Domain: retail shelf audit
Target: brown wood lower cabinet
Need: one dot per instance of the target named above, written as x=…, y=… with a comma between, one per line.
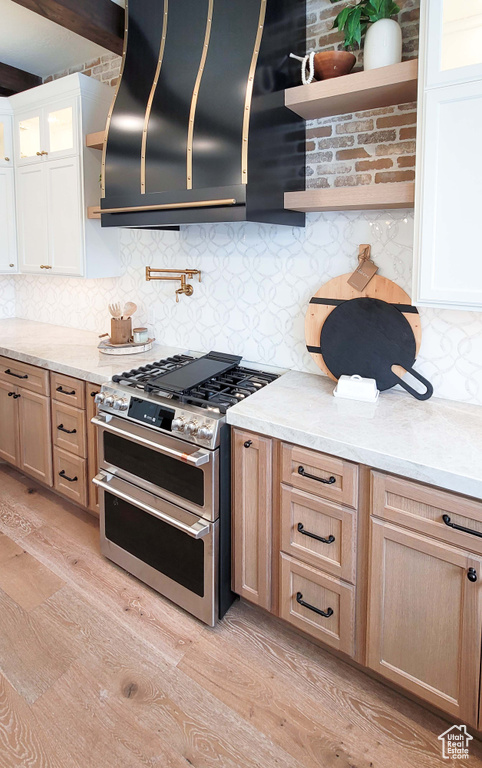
x=424, y=618
x=35, y=454
x=317, y=603
x=8, y=424
x=45, y=429
x=252, y=490
x=25, y=434
x=415, y=581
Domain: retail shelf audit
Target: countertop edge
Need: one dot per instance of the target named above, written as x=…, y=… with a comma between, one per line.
x=54, y=365
x=467, y=486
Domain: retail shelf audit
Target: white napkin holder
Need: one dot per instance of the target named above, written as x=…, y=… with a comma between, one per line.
x=357, y=388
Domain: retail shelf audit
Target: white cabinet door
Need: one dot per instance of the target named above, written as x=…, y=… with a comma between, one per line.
x=8, y=236
x=453, y=40
x=30, y=139
x=448, y=251
x=6, y=143
x=61, y=124
x=64, y=202
x=32, y=219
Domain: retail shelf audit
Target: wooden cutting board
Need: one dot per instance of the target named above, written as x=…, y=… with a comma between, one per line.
x=338, y=290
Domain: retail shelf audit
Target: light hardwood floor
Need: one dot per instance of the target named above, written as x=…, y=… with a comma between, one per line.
x=98, y=671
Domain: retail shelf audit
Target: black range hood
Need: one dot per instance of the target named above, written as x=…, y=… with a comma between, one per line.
x=198, y=131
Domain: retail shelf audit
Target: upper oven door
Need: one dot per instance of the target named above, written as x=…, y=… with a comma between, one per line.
x=171, y=468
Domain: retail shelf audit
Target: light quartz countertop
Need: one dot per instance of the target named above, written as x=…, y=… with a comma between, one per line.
x=435, y=441
x=69, y=351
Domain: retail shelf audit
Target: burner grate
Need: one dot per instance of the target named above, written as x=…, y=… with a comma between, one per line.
x=219, y=392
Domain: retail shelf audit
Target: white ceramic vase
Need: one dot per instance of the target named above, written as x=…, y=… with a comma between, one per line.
x=383, y=44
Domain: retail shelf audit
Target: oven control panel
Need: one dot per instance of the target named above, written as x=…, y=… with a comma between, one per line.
x=188, y=425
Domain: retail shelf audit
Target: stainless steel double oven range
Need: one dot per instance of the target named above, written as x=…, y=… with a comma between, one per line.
x=164, y=480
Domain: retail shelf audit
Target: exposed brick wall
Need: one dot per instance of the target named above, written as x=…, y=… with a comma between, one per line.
x=372, y=147
x=106, y=69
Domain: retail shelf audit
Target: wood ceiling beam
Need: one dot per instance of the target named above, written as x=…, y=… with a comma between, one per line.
x=100, y=21
x=13, y=80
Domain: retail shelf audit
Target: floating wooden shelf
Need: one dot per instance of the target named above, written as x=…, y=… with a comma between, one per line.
x=370, y=197
x=93, y=212
x=383, y=87
x=95, y=140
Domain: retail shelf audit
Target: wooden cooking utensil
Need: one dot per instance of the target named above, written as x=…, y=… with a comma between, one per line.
x=129, y=309
x=115, y=310
x=338, y=290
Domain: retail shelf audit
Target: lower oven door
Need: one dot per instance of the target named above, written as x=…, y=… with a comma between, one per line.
x=168, y=548
x=184, y=474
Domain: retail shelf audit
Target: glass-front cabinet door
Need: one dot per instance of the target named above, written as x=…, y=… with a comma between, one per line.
x=454, y=41
x=60, y=122
x=28, y=130
x=48, y=133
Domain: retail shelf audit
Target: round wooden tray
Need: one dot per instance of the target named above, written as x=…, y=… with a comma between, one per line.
x=338, y=290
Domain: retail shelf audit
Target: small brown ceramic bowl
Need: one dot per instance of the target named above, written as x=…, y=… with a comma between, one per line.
x=333, y=64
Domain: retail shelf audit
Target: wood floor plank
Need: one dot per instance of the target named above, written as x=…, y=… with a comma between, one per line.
x=22, y=740
x=106, y=673
x=120, y=686
x=27, y=581
x=161, y=623
x=8, y=548
x=32, y=658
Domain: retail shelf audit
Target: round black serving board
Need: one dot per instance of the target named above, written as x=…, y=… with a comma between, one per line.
x=368, y=336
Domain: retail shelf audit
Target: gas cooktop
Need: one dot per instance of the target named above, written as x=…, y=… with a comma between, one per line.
x=215, y=381
x=183, y=395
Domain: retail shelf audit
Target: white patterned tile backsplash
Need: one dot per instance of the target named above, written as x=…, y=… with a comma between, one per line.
x=256, y=284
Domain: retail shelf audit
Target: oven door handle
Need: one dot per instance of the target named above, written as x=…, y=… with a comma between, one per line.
x=193, y=531
x=196, y=459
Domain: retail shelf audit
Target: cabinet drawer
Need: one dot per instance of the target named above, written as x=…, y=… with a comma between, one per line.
x=27, y=376
x=318, y=532
x=68, y=390
x=424, y=509
x=317, y=473
x=70, y=476
x=321, y=592
x=68, y=429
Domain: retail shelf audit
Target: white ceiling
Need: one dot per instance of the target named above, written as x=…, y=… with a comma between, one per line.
x=37, y=45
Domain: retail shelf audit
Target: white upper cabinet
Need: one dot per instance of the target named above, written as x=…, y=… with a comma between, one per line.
x=6, y=136
x=57, y=177
x=448, y=199
x=8, y=236
x=454, y=41
x=47, y=133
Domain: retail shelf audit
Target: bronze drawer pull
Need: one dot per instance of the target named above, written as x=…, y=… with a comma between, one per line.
x=67, y=431
x=326, y=614
x=248, y=443
x=472, y=574
x=17, y=375
x=446, y=520
x=329, y=540
x=11, y=393
x=330, y=481
x=66, y=477
x=64, y=392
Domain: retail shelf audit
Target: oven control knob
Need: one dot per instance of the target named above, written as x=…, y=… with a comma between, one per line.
x=191, y=428
x=205, y=433
x=99, y=398
x=109, y=400
x=178, y=425
x=120, y=404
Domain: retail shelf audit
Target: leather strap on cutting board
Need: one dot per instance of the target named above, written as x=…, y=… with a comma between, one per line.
x=337, y=290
